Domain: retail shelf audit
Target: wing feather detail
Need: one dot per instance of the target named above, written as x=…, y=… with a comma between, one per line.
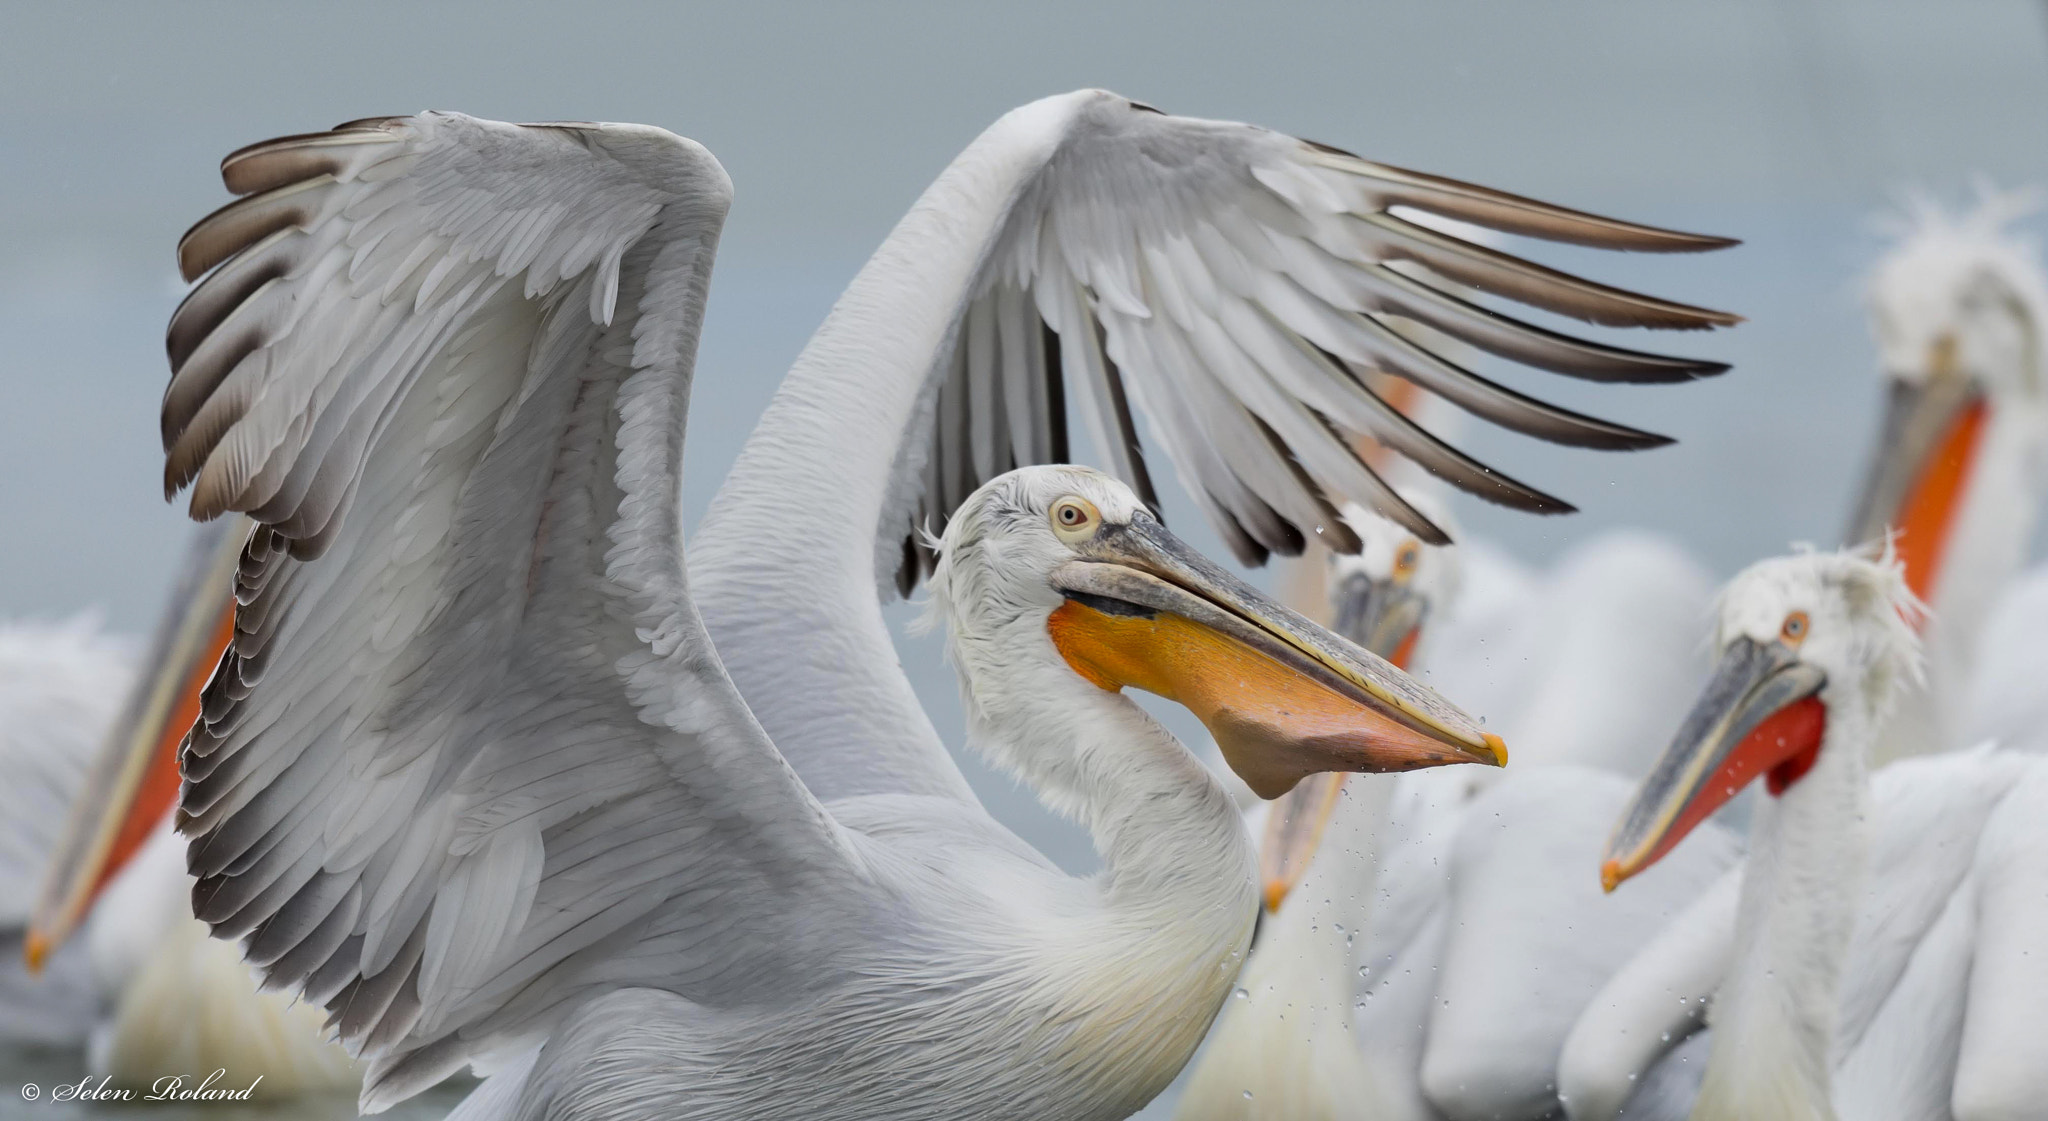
x=470, y=726
x=1242, y=289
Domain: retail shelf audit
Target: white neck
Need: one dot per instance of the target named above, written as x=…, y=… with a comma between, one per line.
x=1987, y=547
x=1774, y=1016
x=1164, y=926
x=790, y=557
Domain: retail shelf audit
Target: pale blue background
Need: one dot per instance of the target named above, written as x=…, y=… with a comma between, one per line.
x=1788, y=124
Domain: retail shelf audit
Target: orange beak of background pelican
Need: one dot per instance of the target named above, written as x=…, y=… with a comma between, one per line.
x=1385, y=617
x=1760, y=715
x=1283, y=697
x=134, y=781
x=1921, y=468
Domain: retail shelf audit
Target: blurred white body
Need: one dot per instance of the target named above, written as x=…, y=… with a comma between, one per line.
x=1480, y=926
x=1875, y=956
x=1965, y=298
x=152, y=993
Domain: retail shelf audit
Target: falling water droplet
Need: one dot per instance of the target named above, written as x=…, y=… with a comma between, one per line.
x=1667, y=1037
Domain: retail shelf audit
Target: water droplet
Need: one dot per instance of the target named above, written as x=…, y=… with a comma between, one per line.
x=1241, y=995
x=1248, y=1093
x=1631, y=1078
x=1365, y=971
x=1667, y=1037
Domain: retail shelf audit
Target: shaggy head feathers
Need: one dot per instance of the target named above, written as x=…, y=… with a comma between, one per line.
x=1439, y=572
x=1969, y=278
x=1860, y=616
x=999, y=548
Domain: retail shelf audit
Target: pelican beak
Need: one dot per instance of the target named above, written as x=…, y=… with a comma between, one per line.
x=1925, y=448
x=134, y=781
x=1385, y=617
x=1760, y=715
x=1283, y=697
x=1294, y=831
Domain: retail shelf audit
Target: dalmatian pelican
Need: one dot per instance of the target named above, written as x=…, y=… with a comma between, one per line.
x=504, y=780
x=1877, y=953
x=1439, y=934
x=1958, y=306
x=146, y=990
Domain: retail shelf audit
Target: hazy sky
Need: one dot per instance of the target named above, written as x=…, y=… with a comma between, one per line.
x=1788, y=124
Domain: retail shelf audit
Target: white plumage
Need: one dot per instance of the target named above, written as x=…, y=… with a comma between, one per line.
x=1872, y=958
x=1959, y=306
x=147, y=992
x=59, y=684
x=472, y=775
x=1477, y=967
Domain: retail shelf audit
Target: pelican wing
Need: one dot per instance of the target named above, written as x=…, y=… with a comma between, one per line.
x=1239, y=286
x=470, y=757
x=1091, y=259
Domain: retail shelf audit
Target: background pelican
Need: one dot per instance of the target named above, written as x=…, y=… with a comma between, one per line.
x=471, y=774
x=1959, y=307
x=148, y=991
x=1588, y=664
x=1917, y=997
x=55, y=680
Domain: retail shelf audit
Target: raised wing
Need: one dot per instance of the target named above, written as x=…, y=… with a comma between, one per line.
x=1245, y=290
x=471, y=758
x=1090, y=257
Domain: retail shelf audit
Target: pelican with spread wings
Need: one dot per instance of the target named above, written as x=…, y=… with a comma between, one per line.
x=499, y=779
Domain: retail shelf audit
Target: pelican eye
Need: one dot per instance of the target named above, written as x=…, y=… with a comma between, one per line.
x=1074, y=519
x=1406, y=558
x=1793, y=630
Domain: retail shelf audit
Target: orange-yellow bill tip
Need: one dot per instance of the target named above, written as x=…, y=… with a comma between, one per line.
x=1611, y=875
x=1498, y=747
x=35, y=950
x=1276, y=890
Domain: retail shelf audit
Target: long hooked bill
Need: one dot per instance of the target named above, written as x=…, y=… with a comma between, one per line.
x=134, y=780
x=1385, y=617
x=1926, y=445
x=1761, y=714
x=1284, y=698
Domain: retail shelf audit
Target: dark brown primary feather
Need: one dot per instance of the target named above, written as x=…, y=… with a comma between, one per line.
x=1513, y=214
x=1492, y=271
x=1325, y=248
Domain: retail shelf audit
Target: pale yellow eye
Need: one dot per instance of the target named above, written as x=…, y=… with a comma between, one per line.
x=1406, y=558
x=1794, y=629
x=1074, y=519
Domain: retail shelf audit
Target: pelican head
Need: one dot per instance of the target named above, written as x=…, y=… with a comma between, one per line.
x=1384, y=593
x=1958, y=307
x=1802, y=640
x=1063, y=569
x=1380, y=597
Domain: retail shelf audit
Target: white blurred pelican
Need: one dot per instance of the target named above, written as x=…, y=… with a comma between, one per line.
x=55, y=685
x=163, y=997
x=472, y=774
x=1959, y=307
x=1478, y=969
x=1876, y=955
